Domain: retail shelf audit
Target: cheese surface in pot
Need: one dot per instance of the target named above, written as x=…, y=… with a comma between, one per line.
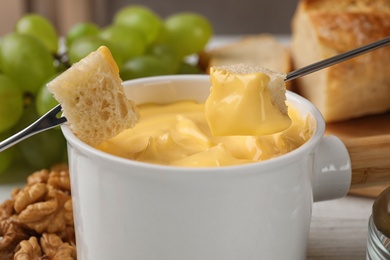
x=178, y=134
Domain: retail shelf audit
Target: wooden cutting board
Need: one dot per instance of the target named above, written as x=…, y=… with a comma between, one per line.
x=368, y=142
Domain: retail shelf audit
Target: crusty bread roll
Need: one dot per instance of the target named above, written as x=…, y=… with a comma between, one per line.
x=353, y=88
x=93, y=99
x=262, y=50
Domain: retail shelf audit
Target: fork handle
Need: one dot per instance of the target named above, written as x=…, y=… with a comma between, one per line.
x=16, y=138
x=336, y=59
x=47, y=121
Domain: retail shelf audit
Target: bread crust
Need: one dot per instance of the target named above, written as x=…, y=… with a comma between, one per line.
x=344, y=5
x=357, y=87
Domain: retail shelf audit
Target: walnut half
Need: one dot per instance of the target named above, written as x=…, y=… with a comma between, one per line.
x=51, y=247
x=29, y=250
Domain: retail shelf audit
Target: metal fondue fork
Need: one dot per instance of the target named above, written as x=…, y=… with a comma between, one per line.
x=336, y=59
x=50, y=119
x=47, y=121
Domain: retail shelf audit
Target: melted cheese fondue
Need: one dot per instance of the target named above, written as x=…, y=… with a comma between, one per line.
x=178, y=134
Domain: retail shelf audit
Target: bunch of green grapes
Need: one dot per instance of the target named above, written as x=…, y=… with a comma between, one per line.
x=142, y=44
x=27, y=63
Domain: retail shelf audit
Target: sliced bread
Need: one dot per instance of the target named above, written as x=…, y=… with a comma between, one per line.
x=93, y=99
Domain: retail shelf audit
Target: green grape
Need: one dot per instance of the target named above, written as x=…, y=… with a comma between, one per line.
x=187, y=68
x=40, y=27
x=26, y=60
x=188, y=33
x=43, y=149
x=85, y=45
x=140, y=18
x=6, y=156
x=80, y=30
x=0, y=55
x=45, y=100
x=129, y=41
x=11, y=103
x=167, y=54
x=143, y=66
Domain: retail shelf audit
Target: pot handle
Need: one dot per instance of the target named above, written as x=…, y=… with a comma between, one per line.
x=332, y=170
x=370, y=159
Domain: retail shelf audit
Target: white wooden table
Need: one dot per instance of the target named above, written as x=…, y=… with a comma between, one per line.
x=339, y=229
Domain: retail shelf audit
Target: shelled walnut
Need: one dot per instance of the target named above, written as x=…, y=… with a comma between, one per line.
x=37, y=223
x=51, y=247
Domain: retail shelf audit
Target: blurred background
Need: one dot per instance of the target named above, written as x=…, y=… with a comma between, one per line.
x=227, y=16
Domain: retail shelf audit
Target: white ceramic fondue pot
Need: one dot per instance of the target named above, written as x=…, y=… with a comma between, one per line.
x=125, y=209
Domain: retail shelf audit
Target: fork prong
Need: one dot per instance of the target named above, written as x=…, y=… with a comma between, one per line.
x=48, y=120
x=55, y=110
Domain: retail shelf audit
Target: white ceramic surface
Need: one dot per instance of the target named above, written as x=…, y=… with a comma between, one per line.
x=130, y=210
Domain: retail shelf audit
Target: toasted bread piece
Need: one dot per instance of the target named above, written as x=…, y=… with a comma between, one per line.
x=93, y=99
x=262, y=50
x=246, y=100
x=353, y=88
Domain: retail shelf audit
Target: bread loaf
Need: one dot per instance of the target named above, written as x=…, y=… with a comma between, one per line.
x=93, y=99
x=324, y=28
x=262, y=50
